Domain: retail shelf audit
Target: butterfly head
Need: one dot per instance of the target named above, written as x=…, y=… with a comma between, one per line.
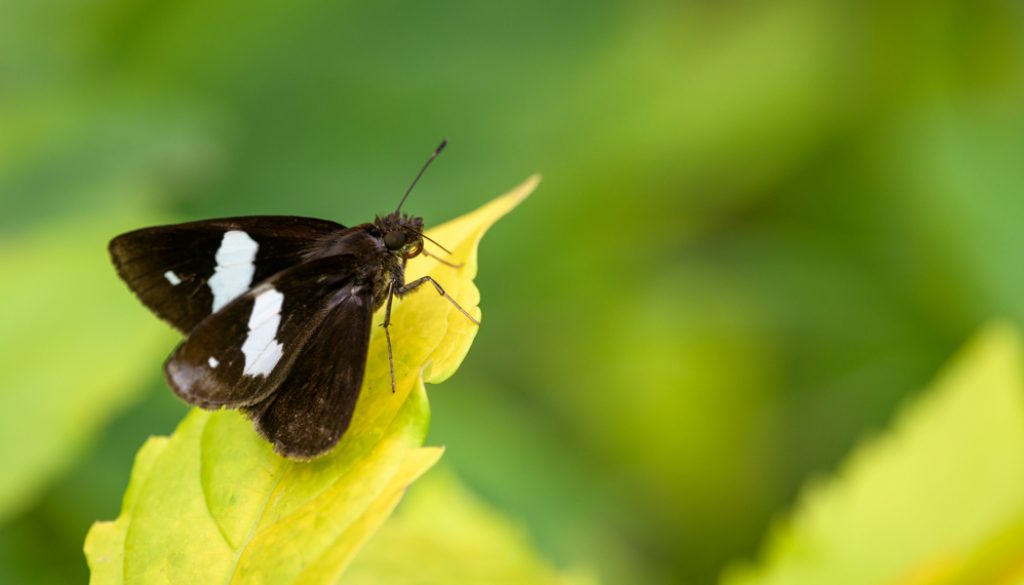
x=402, y=234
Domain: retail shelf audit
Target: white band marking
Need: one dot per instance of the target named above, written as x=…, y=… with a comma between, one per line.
x=235, y=267
x=261, y=349
x=172, y=278
x=213, y=362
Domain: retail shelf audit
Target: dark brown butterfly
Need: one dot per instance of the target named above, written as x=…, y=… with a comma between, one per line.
x=277, y=312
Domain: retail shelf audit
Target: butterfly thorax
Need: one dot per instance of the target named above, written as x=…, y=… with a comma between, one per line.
x=383, y=247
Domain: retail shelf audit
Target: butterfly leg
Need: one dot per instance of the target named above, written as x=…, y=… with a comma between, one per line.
x=408, y=288
x=387, y=333
x=441, y=260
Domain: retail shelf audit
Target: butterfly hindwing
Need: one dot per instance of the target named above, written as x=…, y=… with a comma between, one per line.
x=243, y=352
x=187, y=271
x=311, y=408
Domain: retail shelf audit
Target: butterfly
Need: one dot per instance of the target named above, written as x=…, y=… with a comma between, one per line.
x=277, y=312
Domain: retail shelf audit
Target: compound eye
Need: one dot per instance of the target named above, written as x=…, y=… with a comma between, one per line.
x=394, y=240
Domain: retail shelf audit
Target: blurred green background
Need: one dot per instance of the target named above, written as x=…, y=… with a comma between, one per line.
x=762, y=226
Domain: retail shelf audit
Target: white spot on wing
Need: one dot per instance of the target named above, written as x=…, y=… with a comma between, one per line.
x=261, y=349
x=172, y=278
x=235, y=267
x=213, y=362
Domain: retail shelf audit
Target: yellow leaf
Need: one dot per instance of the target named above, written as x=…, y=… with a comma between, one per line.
x=934, y=493
x=216, y=504
x=442, y=534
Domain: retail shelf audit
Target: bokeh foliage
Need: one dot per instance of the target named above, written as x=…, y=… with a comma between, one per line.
x=763, y=226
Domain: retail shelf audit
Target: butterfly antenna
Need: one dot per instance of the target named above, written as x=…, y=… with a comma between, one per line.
x=437, y=151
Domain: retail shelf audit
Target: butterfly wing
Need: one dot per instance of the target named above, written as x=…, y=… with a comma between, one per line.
x=312, y=407
x=239, y=355
x=185, y=272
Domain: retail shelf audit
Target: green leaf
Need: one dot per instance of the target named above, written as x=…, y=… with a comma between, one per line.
x=936, y=500
x=72, y=352
x=443, y=534
x=214, y=503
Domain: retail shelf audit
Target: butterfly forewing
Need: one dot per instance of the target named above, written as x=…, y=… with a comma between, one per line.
x=185, y=272
x=242, y=353
x=313, y=405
